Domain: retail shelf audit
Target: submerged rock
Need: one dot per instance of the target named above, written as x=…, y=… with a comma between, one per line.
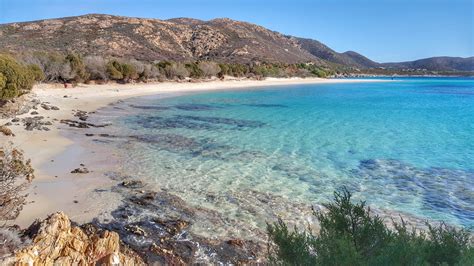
x=80, y=124
x=56, y=241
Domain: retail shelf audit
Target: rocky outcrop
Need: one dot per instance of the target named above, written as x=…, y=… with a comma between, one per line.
x=55, y=241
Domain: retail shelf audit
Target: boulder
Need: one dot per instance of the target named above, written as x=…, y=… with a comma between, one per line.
x=56, y=242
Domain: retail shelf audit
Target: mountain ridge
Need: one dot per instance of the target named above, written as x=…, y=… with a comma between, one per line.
x=187, y=39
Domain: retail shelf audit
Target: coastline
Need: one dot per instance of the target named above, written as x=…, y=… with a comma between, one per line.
x=53, y=153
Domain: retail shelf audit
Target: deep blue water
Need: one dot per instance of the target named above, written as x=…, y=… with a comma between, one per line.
x=405, y=145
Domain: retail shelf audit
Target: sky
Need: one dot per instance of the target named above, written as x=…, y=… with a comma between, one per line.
x=383, y=30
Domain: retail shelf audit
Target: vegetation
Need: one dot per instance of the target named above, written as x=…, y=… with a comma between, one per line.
x=351, y=235
x=15, y=175
x=15, y=78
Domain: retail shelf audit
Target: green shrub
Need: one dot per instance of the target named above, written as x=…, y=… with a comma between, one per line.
x=351, y=235
x=121, y=71
x=194, y=70
x=3, y=81
x=15, y=80
x=78, y=68
x=36, y=72
x=114, y=70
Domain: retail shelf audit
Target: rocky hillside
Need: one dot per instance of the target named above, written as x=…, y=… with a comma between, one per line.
x=185, y=39
x=152, y=39
x=351, y=59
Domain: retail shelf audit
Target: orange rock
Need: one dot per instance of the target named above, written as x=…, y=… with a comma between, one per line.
x=56, y=242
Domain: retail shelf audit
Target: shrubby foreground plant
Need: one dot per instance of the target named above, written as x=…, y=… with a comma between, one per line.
x=351, y=235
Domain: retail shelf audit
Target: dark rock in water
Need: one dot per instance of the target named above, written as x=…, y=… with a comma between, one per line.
x=80, y=124
x=15, y=120
x=156, y=122
x=222, y=120
x=149, y=107
x=441, y=190
x=34, y=113
x=81, y=170
x=195, y=107
x=155, y=225
x=89, y=134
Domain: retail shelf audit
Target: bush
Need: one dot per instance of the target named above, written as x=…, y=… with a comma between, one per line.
x=121, y=71
x=54, y=66
x=15, y=78
x=15, y=175
x=36, y=73
x=78, y=68
x=176, y=70
x=96, y=67
x=114, y=70
x=209, y=69
x=351, y=235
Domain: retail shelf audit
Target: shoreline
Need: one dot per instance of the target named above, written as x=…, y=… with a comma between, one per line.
x=53, y=153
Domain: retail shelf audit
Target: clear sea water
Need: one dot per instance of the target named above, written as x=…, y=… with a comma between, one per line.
x=405, y=145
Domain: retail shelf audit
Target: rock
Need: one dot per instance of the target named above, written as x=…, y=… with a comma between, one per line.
x=15, y=120
x=136, y=230
x=35, y=122
x=81, y=170
x=34, y=113
x=82, y=115
x=6, y=131
x=80, y=124
x=56, y=242
x=45, y=106
x=132, y=184
x=236, y=242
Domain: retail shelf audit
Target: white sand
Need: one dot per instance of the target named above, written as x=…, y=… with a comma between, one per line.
x=49, y=193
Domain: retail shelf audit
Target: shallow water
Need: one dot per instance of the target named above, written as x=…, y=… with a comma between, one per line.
x=405, y=145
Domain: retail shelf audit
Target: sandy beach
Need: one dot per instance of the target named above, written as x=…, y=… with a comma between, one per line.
x=54, y=155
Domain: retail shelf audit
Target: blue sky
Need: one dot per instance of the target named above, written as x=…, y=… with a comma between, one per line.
x=383, y=30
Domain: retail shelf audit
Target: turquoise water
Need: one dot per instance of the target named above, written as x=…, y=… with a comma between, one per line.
x=405, y=145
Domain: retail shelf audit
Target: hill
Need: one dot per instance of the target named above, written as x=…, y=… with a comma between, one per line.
x=154, y=39
x=444, y=63
x=186, y=39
